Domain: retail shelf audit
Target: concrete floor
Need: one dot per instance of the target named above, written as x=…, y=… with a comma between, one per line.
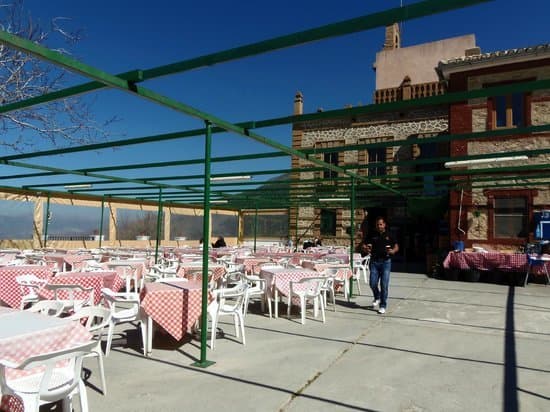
x=442, y=346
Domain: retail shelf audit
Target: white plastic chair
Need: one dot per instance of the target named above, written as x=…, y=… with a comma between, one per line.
x=327, y=287
x=270, y=266
x=47, y=307
x=256, y=287
x=123, y=315
x=361, y=267
x=53, y=383
x=92, y=265
x=339, y=282
x=222, y=307
x=307, y=289
x=232, y=267
x=536, y=261
x=129, y=274
x=67, y=294
x=165, y=269
x=95, y=319
x=28, y=286
x=356, y=276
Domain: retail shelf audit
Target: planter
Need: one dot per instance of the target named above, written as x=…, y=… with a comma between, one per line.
x=143, y=237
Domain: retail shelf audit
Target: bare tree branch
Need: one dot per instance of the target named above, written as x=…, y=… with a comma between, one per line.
x=60, y=123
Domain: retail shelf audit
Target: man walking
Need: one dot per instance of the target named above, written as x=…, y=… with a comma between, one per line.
x=382, y=247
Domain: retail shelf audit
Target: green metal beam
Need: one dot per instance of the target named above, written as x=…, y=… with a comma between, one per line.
x=113, y=81
x=406, y=142
x=358, y=24
x=74, y=172
x=530, y=153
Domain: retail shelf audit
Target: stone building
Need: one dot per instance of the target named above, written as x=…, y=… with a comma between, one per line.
x=402, y=73
x=500, y=216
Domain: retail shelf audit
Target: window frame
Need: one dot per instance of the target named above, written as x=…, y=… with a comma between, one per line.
x=379, y=171
x=492, y=107
x=333, y=159
x=500, y=194
x=322, y=221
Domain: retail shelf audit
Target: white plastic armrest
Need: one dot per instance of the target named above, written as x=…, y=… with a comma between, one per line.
x=8, y=363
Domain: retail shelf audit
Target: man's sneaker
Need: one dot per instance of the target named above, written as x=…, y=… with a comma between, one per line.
x=375, y=303
x=382, y=311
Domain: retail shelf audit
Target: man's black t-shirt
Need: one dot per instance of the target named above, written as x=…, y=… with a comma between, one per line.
x=379, y=242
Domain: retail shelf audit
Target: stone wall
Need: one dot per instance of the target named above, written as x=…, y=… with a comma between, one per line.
x=363, y=129
x=476, y=205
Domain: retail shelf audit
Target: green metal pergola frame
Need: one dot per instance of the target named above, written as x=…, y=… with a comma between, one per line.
x=291, y=192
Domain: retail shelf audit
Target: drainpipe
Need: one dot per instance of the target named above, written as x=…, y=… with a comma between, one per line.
x=460, y=213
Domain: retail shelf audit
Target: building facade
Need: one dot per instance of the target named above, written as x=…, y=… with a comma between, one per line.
x=498, y=217
x=497, y=211
x=401, y=74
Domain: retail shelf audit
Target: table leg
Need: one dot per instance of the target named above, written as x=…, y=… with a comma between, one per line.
x=276, y=299
x=149, y=335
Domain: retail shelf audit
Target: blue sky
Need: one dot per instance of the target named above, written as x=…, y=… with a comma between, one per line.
x=125, y=35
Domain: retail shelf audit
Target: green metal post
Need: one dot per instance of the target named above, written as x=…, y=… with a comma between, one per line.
x=101, y=221
x=255, y=227
x=159, y=226
x=203, y=363
x=296, y=237
x=289, y=232
x=352, y=233
x=47, y=221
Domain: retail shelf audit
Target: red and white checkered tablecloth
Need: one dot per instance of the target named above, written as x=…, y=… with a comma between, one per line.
x=24, y=334
x=96, y=280
x=252, y=264
x=175, y=307
x=280, y=279
x=139, y=266
x=185, y=268
x=344, y=271
x=7, y=257
x=10, y=292
x=505, y=262
x=68, y=261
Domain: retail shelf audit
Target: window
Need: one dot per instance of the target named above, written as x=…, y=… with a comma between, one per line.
x=267, y=226
x=328, y=222
x=73, y=222
x=132, y=223
x=225, y=225
x=332, y=158
x=510, y=217
x=188, y=226
x=508, y=111
x=377, y=155
x=17, y=219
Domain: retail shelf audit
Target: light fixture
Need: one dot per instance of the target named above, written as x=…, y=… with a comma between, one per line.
x=79, y=186
x=224, y=178
x=219, y=201
x=334, y=199
x=481, y=161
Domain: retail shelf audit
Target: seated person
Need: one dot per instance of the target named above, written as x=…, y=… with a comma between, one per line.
x=220, y=242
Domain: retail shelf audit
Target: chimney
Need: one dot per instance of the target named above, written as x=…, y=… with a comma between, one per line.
x=475, y=51
x=298, y=103
x=393, y=37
